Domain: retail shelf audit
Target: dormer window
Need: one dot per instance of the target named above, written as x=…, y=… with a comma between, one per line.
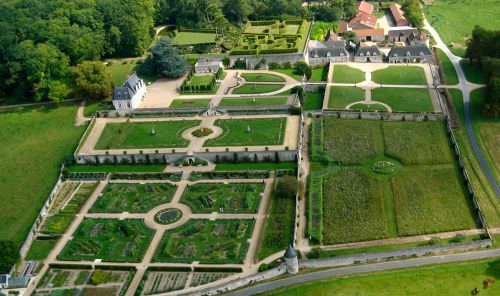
x=421, y=53
x=341, y=54
x=407, y=53
x=395, y=55
x=361, y=54
x=328, y=54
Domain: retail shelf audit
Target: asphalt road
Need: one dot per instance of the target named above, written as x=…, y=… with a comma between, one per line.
x=354, y=269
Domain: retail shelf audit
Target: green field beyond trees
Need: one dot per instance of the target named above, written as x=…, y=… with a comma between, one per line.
x=130, y=135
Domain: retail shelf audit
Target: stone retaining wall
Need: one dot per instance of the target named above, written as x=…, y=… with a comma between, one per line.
x=385, y=115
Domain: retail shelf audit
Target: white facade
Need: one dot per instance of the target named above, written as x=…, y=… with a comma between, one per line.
x=129, y=96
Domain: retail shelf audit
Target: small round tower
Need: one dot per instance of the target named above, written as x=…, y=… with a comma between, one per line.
x=291, y=260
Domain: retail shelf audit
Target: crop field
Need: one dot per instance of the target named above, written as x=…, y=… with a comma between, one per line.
x=447, y=17
x=268, y=37
x=418, y=190
x=341, y=96
x=410, y=75
x=249, y=132
x=417, y=142
x=404, y=99
x=353, y=208
x=346, y=74
x=251, y=88
x=262, y=77
x=257, y=101
x=426, y=201
x=207, y=241
x=224, y=198
x=191, y=103
x=129, y=135
x=109, y=240
x=352, y=141
x=132, y=198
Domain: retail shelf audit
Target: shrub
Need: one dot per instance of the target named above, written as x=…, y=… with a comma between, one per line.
x=100, y=277
x=287, y=186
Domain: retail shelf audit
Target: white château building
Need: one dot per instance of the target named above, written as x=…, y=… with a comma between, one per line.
x=129, y=95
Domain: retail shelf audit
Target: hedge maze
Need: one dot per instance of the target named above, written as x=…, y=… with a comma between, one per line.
x=272, y=37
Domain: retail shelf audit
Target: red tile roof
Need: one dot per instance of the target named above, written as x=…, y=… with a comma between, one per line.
x=368, y=32
x=365, y=7
x=364, y=19
x=398, y=15
x=342, y=27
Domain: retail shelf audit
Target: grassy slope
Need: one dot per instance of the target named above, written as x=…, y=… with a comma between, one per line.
x=448, y=69
x=448, y=279
x=40, y=249
x=410, y=75
x=34, y=142
x=346, y=74
x=404, y=99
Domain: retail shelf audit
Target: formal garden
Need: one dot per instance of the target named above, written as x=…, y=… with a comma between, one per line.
x=249, y=132
x=257, y=101
x=206, y=241
x=346, y=74
x=404, y=99
x=262, y=77
x=407, y=75
x=190, y=103
x=254, y=88
x=108, y=239
x=272, y=37
x=382, y=179
x=132, y=197
x=341, y=96
x=201, y=83
x=151, y=134
x=223, y=198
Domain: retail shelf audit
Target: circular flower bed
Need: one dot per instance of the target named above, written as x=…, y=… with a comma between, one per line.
x=383, y=167
x=202, y=132
x=168, y=216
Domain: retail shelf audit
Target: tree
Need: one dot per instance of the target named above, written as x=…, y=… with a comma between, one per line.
x=236, y=10
x=93, y=80
x=491, y=104
x=413, y=12
x=302, y=68
x=9, y=254
x=287, y=186
x=326, y=13
x=164, y=60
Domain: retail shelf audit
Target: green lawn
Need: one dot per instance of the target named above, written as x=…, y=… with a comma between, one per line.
x=43, y=136
x=410, y=75
x=93, y=106
x=250, y=88
x=262, y=77
x=289, y=72
x=434, y=280
x=108, y=239
x=263, y=131
x=404, y=99
x=132, y=197
x=341, y=96
x=346, y=74
x=447, y=17
x=189, y=103
x=319, y=73
x=40, y=249
x=313, y=101
x=255, y=166
x=257, y=101
x=448, y=69
x=223, y=198
x=472, y=72
x=368, y=107
x=220, y=241
x=197, y=80
x=120, y=70
x=117, y=168
x=187, y=38
x=138, y=134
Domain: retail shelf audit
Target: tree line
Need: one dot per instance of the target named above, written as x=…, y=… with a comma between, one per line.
x=483, y=50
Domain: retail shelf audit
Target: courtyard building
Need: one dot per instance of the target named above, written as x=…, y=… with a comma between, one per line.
x=410, y=54
x=368, y=54
x=208, y=65
x=129, y=95
x=398, y=15
x=332, y=49
x=401, y=34
x=370, y=34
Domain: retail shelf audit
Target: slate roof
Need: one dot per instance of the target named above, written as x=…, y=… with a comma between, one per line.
x=290, y=252
x=127, y=90
x=411, y=51
x=332, y=47
x=368, y=51
x=4, y=279
x=328, y=52
x=214, y=61
x=19, y=281
x=402, y=32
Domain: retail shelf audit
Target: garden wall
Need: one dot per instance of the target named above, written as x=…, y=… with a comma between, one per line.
x=252, y=60
x=401, y=116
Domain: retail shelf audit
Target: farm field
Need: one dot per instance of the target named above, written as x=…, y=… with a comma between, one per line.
x=250, y=88
x=132, y=198
x=192, y=103
x=341, y=96
x=408, y=75
x=404, y=99
x=400, y=177
x=346, y=74
x=138, y=134
x=447, y=17
x=224, y=198
x=27, y=181
x=263, y=131
x=108, y=239
x=258, y=101
x=262, y=77
x=434, y=280
x=207, y=241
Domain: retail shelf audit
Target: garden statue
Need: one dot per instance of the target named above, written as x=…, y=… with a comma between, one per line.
x=153, y=132
x=253, y=100
x=248, y=129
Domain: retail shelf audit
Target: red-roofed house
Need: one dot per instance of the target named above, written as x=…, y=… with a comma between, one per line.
x=365, y=7
x=363, y=21
x=370, y=34
x=399, y=15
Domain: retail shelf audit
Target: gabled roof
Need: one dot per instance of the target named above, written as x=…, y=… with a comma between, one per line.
x=420, y=36
x=410, y=51
x=401, y=32
x=368, y=51
x=364, y=19
x=290, y=252
x=397, y=12
x=212, y=61
x=368, y=32
x=343, y=26
x=128, y=89
x=328, y=52
x=4, y=279
x=365, y=7
x=331, y=35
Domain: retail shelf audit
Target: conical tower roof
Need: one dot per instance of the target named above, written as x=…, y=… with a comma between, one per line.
x=290, y=252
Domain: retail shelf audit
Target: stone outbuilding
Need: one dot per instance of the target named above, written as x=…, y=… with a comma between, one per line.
x=410, y=54
x=398, y=15
x=368, y=54
x=332, y=49
x=401, y=34
x=370, y=34
x=129, y=95
x=208, y=65
x=291, y=260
